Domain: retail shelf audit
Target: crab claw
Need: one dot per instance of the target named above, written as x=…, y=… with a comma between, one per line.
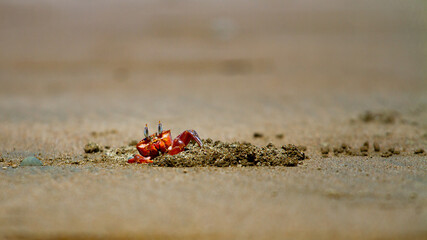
x=139, y=159
x=183, y=139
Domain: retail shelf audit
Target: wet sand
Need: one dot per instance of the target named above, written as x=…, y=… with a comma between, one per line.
x=72, y=73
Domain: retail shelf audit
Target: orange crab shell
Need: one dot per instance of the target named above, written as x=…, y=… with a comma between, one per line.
x=150, y=147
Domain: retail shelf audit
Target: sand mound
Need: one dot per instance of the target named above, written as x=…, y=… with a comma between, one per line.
x=221, y=154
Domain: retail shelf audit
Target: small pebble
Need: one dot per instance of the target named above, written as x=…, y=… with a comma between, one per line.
x=394, y=151
x=91, y=148
x=419, y=151
x=376, y=147
x=258, y=135
x=31, y=161
x=324, y=150
x=4, y=168
x=364, y=149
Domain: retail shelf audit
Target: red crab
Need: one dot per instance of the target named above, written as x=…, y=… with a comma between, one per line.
x=150, y=146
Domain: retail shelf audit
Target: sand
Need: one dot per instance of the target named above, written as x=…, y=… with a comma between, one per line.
x=280, y=72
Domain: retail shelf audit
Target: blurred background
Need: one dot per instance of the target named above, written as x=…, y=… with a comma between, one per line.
x=224, y=68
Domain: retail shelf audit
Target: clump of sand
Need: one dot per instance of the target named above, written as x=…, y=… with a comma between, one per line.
x=221, y=154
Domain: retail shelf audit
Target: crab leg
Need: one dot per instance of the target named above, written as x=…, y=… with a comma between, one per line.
x=139, y=159
x=182, y=140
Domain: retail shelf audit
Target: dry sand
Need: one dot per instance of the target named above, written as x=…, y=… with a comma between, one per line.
x=75, y=72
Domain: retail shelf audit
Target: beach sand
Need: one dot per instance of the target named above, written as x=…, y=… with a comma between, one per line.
x=296, y=72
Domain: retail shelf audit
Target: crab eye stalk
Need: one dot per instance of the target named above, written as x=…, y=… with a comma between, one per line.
x=146, y=132
x=159, y=128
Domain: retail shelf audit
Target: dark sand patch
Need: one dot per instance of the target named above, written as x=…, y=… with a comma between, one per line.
x=365, y=150
x=384, y=117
